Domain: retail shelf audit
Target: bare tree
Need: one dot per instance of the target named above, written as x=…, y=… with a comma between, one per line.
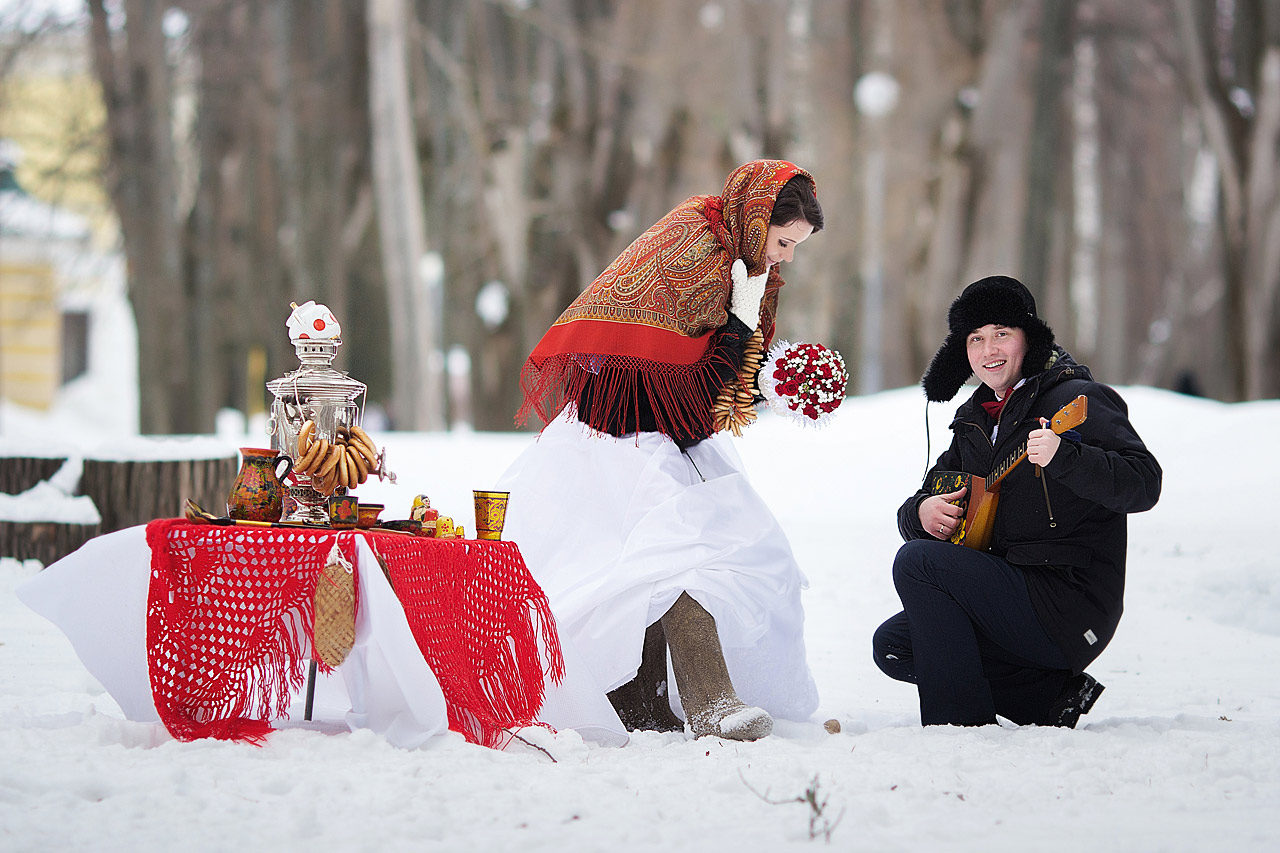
x=136, y=86
x=267, y=199
x=978, y=193
x=281, y=193
x=400, y=220
x=1036, y=138
x=557, y=132
x=1237, y=92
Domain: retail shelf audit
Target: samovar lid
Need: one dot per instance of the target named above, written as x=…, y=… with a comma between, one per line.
x=312, y=322
x=316, y=336
x=316, y=383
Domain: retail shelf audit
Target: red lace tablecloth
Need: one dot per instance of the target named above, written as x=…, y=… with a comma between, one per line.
x=477, y=615
x=230, y=615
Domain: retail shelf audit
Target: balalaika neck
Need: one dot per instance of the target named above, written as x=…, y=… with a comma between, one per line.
x=1002, y=470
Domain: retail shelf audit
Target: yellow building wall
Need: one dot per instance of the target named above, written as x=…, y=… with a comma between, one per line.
x=58, y=121
x=30, y=335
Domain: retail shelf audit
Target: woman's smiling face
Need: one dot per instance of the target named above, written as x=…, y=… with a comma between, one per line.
x=781, y=240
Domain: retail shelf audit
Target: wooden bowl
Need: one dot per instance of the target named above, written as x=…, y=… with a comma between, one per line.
x=367, y=515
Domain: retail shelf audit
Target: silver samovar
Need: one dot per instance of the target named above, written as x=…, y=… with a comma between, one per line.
x=316, y=392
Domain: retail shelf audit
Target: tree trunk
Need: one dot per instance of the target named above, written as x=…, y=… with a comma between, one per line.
x=1196, y=36
x=1046, y=151
x=417, y=381
x=143, y=189
x=1261, y=271
x=979, y=198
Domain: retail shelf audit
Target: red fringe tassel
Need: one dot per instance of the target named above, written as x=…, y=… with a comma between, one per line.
x=230, y=616
x=680, y=395
x=477, y=615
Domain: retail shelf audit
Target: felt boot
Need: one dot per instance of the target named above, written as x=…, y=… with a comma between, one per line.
x=643, y=702
x=710, y=704
x=1078, y=696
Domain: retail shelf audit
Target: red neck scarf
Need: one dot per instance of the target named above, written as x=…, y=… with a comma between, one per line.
x=644, y=323
x=994, y=407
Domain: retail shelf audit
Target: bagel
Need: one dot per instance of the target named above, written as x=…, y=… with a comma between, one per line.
x=307, y=461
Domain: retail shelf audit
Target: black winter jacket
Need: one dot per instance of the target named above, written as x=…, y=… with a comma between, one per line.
x=1074, y=567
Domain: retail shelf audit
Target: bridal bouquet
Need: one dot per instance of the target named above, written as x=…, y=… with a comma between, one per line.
x=804, y=382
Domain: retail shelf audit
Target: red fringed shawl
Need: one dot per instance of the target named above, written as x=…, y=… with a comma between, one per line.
x=230, y=619
x=643, y=326
x=230, y=615
x=476, y=613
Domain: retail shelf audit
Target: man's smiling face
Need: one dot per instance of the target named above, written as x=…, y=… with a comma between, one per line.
x=995, y=354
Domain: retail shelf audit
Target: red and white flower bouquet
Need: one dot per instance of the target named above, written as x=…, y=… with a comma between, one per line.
x=803, y=382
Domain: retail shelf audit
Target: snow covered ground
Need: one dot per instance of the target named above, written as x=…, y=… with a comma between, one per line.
x=1181, y=753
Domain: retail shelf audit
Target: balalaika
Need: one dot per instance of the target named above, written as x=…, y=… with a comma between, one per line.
x=980, y=500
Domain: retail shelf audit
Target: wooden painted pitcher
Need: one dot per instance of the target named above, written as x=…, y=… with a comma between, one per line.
x=258, y=492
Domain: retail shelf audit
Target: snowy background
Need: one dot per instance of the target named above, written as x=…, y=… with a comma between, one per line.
x=1181, y=753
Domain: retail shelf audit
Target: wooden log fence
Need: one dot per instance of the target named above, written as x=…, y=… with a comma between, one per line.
x=126, y=492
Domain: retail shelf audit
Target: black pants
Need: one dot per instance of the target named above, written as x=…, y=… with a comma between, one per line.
x=968, y=638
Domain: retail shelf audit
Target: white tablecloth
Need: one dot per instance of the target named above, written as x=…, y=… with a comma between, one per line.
x=97, y=596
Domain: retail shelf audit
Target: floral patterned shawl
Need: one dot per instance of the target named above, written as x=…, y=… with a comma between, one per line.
x=645, y=324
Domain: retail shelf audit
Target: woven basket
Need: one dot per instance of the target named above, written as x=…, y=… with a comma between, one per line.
x=335, y=628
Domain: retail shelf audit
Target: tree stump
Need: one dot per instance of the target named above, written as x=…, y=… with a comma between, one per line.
x=19, y=473
x=130, y=492
x=126, y=492
x=46, y=541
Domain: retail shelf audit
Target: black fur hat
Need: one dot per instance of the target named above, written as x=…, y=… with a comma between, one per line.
x=996, y=299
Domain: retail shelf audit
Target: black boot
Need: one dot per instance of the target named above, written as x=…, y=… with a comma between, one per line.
x=1078, y=696
x=710, y=703
x=643, y=703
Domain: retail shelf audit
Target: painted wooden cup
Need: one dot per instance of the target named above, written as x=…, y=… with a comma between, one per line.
x=344, y=511
x=491, y=513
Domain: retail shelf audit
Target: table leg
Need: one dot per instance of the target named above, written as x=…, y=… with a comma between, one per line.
x=311, y=691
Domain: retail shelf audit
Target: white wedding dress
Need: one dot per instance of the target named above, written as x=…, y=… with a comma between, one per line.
x=614, y=529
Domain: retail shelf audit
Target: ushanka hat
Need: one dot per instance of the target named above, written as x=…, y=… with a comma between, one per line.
x=998, y=300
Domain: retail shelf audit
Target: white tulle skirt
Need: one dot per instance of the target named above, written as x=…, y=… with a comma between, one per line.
x=614, y=529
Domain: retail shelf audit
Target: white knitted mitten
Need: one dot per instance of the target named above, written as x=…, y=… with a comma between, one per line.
x=744, y=301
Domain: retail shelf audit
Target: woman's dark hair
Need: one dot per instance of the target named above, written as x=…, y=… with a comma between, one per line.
x=796, y=200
